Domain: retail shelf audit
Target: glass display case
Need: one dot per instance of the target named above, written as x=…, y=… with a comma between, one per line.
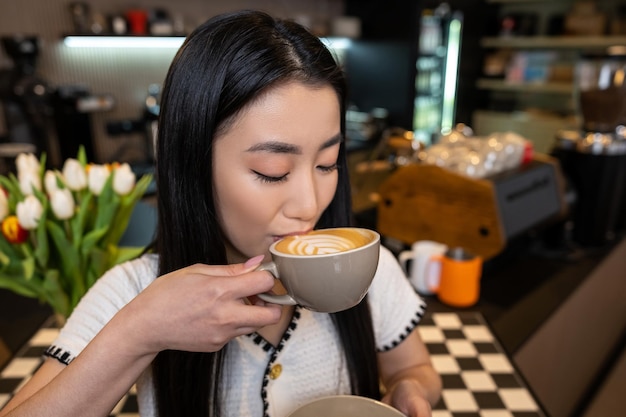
x=437, y=66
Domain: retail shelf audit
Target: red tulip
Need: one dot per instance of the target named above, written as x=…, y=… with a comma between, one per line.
x=12, y=231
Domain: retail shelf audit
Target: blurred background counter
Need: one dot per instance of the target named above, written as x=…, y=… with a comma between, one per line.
x=553, y=280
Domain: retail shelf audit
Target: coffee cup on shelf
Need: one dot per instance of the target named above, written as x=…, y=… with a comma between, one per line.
x=326, y=270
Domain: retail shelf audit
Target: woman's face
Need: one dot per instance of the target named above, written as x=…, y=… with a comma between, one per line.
x=275, y=168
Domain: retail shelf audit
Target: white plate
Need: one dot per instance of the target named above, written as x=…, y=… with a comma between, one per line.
x=346, y=406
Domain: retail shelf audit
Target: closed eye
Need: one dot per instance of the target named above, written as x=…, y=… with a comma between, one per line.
x=268, y=179
x=328, y=168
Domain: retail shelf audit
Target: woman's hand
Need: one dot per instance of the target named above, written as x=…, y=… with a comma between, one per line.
x=201, y=307
x=412, y=384
x=408, y=396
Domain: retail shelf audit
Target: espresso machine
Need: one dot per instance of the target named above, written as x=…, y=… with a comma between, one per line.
x=594, y=158
x=24, y=99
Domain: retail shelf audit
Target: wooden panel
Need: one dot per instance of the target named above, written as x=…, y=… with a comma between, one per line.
x=425, y=202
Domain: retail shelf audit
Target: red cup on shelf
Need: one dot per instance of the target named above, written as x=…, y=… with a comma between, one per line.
x=137, y=21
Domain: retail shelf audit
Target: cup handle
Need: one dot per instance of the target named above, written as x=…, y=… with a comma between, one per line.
x=403, y=258
x=430, y=276
x=284, y=299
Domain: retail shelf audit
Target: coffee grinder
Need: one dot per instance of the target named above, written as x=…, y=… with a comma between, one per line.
x=594, y=157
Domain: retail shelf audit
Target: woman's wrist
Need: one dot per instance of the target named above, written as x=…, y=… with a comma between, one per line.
x=133, y=332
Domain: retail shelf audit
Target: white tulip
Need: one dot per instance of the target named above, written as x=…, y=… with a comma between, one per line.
x=26, y=162
x=4, y=205
x=28, y=181
x=50, y=181
x=29, y=212
x=27, y=166
x=123, y=179
x=62, y=203
x=74, y=175
x=98, y=175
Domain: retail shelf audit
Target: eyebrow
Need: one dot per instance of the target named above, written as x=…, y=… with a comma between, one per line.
x=282, y=147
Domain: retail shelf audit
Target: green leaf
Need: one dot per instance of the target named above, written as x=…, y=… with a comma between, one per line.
x=41, y=196
x=91, y=277
x=91, y=240
x=140, y=188
x=42, y=164
x=98, y=264
x=77, y=223
x=26, y=249
x=70, y=260
x=123, y=254
x=59, y=181
x=9, y=185
x=42, y=250
x=4, y=259
x=82, y=156
x=28, y=268
x=54, y=294
x=8, y=248
x=15, y=193
x=108, y=203
x=14, y=265
x=19, y=285
x=127, y=205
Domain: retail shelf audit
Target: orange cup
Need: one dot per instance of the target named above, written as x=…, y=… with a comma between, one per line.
x=458, y=284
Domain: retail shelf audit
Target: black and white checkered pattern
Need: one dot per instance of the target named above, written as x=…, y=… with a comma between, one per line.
x=479, y=380
x=478, y=377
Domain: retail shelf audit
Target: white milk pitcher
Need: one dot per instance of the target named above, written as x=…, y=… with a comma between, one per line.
x=421, y=254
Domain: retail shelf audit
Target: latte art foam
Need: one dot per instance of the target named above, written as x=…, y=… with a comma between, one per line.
x=322, y=242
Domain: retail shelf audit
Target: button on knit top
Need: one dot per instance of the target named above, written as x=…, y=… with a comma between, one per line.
x=259, y=379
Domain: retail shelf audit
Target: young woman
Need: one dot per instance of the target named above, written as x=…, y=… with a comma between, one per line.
x=250, y=149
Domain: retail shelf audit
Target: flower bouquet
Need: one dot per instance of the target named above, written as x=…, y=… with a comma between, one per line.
x=60, y=230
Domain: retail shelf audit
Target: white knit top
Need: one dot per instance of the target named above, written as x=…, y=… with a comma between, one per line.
x=260, y=379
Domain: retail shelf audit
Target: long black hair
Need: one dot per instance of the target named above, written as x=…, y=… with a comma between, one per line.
x=222, y=67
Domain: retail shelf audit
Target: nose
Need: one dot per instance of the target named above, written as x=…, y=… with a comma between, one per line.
x=303, y=202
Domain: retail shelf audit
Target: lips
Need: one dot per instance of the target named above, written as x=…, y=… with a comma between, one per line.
x=279, y=237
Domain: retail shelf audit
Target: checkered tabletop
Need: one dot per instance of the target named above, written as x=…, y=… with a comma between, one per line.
x=478, y=378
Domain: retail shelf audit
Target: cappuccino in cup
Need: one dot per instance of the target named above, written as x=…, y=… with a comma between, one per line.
x=322, y=242
x=326, y=270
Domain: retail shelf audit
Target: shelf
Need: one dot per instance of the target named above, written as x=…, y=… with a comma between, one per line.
x=120, y=41
x=522, y=1
x=530, y=87
x=554, y=42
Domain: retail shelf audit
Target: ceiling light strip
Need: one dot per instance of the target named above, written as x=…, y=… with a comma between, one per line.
x=123, y=41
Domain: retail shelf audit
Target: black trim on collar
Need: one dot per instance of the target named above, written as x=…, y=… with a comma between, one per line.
x=260, y=341
x=286, y=336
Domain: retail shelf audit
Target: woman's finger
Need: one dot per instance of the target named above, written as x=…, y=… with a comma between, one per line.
x=256, y=317
x=227, y=270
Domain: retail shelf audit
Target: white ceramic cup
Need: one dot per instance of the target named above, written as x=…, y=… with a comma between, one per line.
x=421, y=254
